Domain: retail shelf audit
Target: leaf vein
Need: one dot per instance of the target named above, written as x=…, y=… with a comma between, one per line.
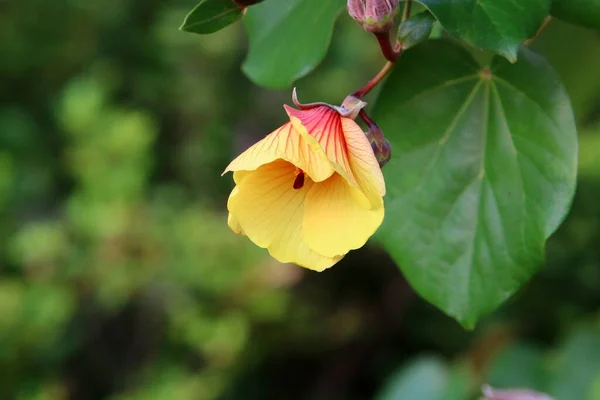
x=207, y=20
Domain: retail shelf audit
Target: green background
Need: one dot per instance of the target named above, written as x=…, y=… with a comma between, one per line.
x=119, y=278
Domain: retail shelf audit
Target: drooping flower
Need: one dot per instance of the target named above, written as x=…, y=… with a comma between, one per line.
x=310, y=191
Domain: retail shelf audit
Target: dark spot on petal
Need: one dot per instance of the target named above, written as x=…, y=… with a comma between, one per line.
x=299, y=181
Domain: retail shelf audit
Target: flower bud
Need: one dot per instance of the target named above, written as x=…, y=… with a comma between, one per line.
x=383, y=151
x=380, y=145
x=374, y=15
x=511, y=394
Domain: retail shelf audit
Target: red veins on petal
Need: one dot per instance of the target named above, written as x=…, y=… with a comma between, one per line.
x=325, y=125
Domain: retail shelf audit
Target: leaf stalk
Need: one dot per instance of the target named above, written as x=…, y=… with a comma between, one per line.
x=391, y=54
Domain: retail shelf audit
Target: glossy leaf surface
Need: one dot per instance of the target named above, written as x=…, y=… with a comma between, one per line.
x=482, y=173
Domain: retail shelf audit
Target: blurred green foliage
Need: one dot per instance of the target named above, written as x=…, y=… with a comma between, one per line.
x=119, y=278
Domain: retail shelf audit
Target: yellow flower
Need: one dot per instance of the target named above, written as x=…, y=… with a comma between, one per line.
x=310, y=191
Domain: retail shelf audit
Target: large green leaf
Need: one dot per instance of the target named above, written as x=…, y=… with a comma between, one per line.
x=498, y=25
x=288, y=39
x=581, y=12
x=210, y=16
x=482, y=172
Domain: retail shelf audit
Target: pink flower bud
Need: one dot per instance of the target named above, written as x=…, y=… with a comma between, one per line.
x=380, y=145
x=383, y=151
x=512, y=394
x=374, y=15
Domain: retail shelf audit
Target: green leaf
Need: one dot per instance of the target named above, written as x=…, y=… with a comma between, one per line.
x=210, y=16
x=288, y=39
x=577, y=366
x=423, y=379
x=498, y=25
x=416, y=29
x=482, y=172
x=580, y=12
x=519, y=366
x=589, y=162
x=574, y=52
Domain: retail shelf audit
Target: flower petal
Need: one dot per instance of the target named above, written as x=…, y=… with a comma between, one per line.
x=288, y=144
x=270, y=211
x=325, y=125
x=231, y=219
x=334, y=222
x=364, y=165
x=234, y=224
x=239, y=175
x=346, y=146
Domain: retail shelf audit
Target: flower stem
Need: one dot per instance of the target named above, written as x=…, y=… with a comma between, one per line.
x=360, y=93
x=386, y=46
x=391, y=54
x=374, y=130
